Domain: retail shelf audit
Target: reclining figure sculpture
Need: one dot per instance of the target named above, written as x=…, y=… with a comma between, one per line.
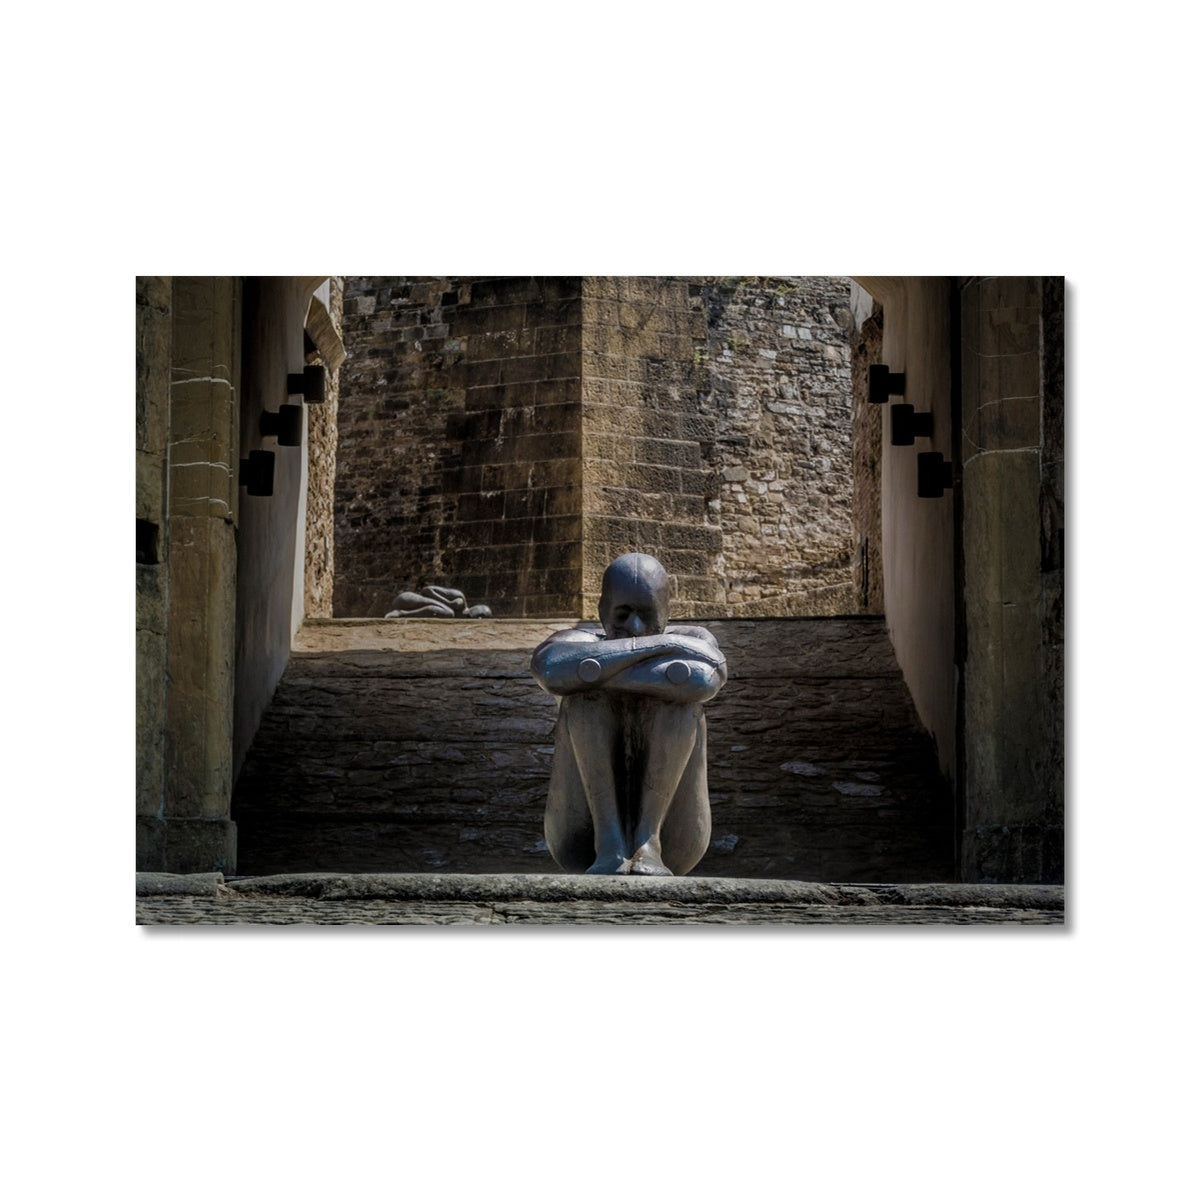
x=629, y=781
x=432, y=601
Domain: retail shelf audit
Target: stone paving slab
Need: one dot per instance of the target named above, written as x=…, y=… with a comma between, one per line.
x=458, y=899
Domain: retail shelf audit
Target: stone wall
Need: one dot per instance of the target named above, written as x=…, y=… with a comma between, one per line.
x=867, y=440
x=514, y=454
x=919, y=575
x=270, y=529
x=778, y=355
x=459, y=443
x=426, y=746
x=321, y=439
x=512, y=436
x=393, y=411
x=648, y=478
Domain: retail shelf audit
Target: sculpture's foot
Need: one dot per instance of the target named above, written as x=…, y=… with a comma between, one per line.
x=648, y=861
x=613, y=863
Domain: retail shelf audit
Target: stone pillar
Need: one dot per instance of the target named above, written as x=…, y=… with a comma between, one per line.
x=153, y=420
x=1012, y=523
x=194, y=829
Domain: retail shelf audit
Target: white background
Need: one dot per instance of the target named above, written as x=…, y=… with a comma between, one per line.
x=647, y=138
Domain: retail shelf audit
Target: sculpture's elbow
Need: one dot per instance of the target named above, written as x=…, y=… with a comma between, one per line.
x=552, y=681
x=702, y=684
x=547, y=672
x=710, y=681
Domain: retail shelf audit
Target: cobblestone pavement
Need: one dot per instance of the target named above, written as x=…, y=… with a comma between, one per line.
x=416, y=899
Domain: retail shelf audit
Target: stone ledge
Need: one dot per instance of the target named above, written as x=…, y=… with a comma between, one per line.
x=374, y=899
x=163, y=883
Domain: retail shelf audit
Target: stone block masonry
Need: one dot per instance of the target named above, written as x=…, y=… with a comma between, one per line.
x=515, y=544
x=648, y=471
x=459, y=453
x=778, y=400
x=511, y=436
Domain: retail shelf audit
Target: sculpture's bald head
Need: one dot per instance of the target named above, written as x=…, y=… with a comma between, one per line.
x=633, y=597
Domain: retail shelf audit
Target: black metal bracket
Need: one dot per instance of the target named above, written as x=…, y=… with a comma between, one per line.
x=287, y=424
x=934, y=475
x=309, y=383
x=882, y=383
x=257, y=473
x=908, y=424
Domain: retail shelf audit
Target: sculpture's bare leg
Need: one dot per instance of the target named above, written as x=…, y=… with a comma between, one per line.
x=594, y=728
x=568, y=823
x=671, y=739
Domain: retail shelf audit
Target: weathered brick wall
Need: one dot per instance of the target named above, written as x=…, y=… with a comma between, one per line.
x=459, y=443
x=426, y=746
x=513, y=473
x=647, y=446
x=512, y=436
x=393, y=411
x=322, y=437
x=717, y=437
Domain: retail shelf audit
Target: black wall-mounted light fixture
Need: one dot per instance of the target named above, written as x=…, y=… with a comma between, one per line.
x=257, y=473
x=287, y=424
x=934, y=475
x=882, y=383
x=309, y=383
x=908, y=424
x=147, y=542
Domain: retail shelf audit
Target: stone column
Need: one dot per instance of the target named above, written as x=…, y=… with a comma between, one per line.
x=202, y=464
x=1012, y=566
x=153, y=422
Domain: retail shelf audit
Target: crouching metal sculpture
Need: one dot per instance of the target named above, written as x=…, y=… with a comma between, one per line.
x=629, y=781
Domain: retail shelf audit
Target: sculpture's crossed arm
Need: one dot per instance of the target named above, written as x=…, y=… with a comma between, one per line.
x=672, y=666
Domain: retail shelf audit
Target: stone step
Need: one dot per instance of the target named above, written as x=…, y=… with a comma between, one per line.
x=457, y=899
x=425, y=745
